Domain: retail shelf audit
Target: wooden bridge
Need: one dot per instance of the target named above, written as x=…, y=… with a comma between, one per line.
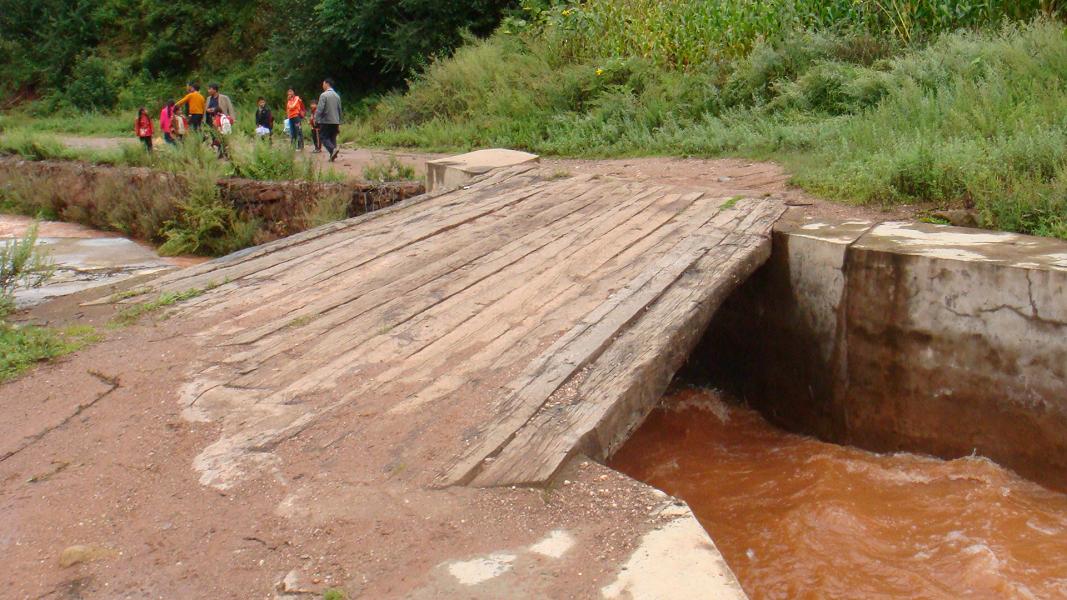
x=478, y=336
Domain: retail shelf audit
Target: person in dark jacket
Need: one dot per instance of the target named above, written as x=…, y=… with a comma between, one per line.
x=264, y=118
x=328, y=118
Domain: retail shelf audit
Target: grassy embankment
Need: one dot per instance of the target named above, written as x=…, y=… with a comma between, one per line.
x=186, y=218
x=941, y=104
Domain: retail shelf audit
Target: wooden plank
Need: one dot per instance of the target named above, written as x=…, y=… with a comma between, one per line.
x=537, y=449
x=438, y=261
x=582, y=286
x=509, y=342
x=436, y=314
x=311, y=235
x=573, y=351
x=412, y=226
x=628, y=379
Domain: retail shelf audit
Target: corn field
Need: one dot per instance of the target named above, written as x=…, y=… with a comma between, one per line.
x=681, y=34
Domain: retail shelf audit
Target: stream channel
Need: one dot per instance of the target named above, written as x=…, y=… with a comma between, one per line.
x=799, y=518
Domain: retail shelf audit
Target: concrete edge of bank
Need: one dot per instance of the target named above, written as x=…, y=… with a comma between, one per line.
x=903, y=336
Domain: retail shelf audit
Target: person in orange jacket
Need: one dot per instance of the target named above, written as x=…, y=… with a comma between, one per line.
x=196, y=103
x=143, y=128
x=294, y=111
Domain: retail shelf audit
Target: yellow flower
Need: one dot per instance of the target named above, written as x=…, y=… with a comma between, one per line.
x=599, y=72
x=567, y=12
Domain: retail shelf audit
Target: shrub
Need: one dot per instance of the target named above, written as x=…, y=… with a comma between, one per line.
x=22, y=264
x=90, y=86
x=205, y=225
x=390, y=170
x=328, y=208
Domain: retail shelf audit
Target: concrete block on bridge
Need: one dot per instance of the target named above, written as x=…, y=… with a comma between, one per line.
x=456, y=171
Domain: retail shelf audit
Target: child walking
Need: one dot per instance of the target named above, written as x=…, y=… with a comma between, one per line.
x=143, y=128
x=315, y=128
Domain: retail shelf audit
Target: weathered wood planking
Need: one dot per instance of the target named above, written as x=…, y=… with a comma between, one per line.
x=520, y=319
x=627, y=351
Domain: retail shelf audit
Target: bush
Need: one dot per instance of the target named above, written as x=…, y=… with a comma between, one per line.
x=90, y=88
x=328, y=209
x=205, y=225
x=390, y=170
x=22, y=264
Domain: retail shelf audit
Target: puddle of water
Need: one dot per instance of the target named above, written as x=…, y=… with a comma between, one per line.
x=85, y=258
x=799, y=518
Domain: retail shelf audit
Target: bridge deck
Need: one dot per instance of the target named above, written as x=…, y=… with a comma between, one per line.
x=480, y=336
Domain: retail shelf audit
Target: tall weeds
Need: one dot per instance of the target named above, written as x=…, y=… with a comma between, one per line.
x=692, y=33
x=204, y=223
x=973, y=119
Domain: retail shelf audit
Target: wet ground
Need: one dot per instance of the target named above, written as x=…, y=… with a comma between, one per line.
x=799, y=518
x=85, y=258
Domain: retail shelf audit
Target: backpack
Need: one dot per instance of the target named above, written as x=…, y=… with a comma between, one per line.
x=224, y=124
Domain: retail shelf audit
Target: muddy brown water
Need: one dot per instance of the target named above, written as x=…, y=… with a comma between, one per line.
x=800, y=518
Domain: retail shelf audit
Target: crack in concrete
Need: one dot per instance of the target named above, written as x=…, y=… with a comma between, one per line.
x=112, y=381
x=1033, y=314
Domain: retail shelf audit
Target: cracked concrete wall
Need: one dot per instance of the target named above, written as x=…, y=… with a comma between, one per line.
x=906, y=336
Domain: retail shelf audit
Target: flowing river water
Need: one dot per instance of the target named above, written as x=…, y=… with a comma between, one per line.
x=800, y=518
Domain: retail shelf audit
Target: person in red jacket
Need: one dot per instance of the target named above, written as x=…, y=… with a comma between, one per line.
x=143, y=128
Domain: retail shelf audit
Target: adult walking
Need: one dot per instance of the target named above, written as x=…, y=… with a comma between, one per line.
x=328, y=118
x=218, y=105
x=195, y=103
x=295, y=111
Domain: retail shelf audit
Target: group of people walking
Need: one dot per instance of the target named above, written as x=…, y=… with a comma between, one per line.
x=216, y=114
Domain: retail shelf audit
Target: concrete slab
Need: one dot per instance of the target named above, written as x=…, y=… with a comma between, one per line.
x=456, y=171
x=959, y=243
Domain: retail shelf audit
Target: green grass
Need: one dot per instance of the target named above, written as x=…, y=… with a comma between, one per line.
x=731, y=202
x=133, y=314
x=71, y=123
x=390, y=170
x=22, y=347
x=971, y=119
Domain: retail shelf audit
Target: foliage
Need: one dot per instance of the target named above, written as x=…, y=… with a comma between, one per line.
x=254, y=158
x=334, y=594
x=32, y=147
x=971, y=119
x=22, y=264
x=327, y=209
x=205, y=224
x=21, y=347
x=132, y=314
x=390, y=170
x=90, y=87
x=695, y=33
x=81, y=55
